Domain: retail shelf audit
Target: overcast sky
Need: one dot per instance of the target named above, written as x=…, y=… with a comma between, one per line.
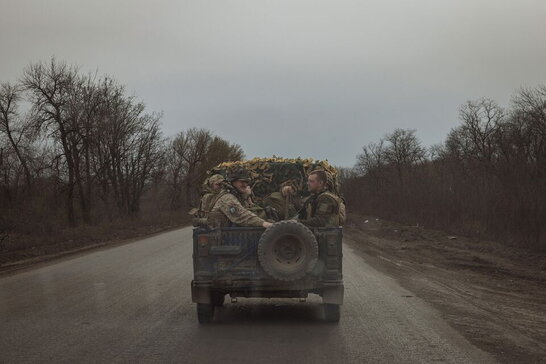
x=292, y=78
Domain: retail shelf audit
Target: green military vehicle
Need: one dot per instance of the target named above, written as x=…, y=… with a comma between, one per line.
x=288, y=260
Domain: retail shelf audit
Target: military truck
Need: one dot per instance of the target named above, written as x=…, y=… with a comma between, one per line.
x=287, y=260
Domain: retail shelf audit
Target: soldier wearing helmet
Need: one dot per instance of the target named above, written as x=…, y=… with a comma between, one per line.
x=214, y=185
x=211, y=188
x=232, y=203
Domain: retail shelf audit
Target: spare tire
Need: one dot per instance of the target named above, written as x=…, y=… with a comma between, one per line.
x=288, y=250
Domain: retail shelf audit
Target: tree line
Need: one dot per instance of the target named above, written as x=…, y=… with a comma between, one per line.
x=486, y=179
x=76, y=148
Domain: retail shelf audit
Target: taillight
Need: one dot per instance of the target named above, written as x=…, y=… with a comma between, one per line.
x=203, y=245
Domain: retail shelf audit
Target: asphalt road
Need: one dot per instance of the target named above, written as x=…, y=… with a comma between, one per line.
x=132, y=303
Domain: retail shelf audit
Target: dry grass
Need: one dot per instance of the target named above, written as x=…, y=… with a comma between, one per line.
x=46, y=237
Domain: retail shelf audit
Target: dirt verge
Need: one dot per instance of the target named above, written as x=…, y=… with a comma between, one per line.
x=493, y=294
x=27, y=250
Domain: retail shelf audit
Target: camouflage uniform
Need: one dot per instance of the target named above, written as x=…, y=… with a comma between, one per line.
x=231, y=207
x=285, y=207
x=228, y=210
x=323, y=209
x=205, y=206
x=207, y=200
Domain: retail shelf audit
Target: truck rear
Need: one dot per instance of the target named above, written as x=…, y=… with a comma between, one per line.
x=287, y=260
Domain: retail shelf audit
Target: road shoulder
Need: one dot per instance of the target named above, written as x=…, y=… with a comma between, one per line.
x=63, y=251
x=494, y=296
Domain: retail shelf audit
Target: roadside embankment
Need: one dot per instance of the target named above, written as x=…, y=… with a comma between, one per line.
x=21, y=250
x=493, y=294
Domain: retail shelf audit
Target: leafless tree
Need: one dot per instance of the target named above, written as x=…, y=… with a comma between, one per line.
x=125, y=146
x=476, y=137
x=92, y=151
x=404, y=148
x=50, y=87
x=372, y=158
x=144, y=154
x=529, y=115
x=192, y=153
x=83, y=112
x=488, y=178
x=11, y=125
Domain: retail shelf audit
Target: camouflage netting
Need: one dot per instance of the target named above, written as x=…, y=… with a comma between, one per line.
x=269, y=174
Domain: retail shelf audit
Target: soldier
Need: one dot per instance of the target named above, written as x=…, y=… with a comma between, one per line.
x=331, y=187
x=285, y=203
x=211, y=187
x=214, y=185
x=323, y=208
x=232, y=203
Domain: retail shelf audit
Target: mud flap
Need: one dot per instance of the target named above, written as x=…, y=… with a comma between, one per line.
x=200, y=292
x=333, y=293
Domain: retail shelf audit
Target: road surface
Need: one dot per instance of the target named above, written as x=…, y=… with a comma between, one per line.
x=132, y=303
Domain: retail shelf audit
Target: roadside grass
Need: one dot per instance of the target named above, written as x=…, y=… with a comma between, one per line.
x=492, y=292
x=47, y=237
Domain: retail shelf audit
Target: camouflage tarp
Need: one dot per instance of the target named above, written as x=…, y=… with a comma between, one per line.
x=269, y=174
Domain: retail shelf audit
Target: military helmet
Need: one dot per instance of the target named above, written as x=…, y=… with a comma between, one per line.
x=215, y=178
x=241, y=175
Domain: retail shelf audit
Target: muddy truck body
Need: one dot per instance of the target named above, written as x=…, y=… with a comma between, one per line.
x=288, y=260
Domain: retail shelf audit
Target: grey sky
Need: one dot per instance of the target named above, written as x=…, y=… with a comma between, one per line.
x=292, y=78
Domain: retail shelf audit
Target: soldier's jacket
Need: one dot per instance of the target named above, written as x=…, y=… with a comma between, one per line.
x=200, y=214
x=207, y=201
x=283, y=206
x=248, y=204
x=324, y=209
x=228, y=210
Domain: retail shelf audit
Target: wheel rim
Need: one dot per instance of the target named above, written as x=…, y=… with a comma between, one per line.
x=288, y=250
x=288, y=253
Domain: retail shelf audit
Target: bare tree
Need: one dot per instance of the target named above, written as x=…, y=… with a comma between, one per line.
x=529, y=116
x=50, y=87
x=175, y=171
x=372, y=158
x=90, y=150
x=219, y=150
x=404, y=148
x=192, y=153
x=194, y=145
x=125, y=144
x=142, y=158
x=12, y=126
x=83, y=112
x=476, y=137
x=488, y=178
